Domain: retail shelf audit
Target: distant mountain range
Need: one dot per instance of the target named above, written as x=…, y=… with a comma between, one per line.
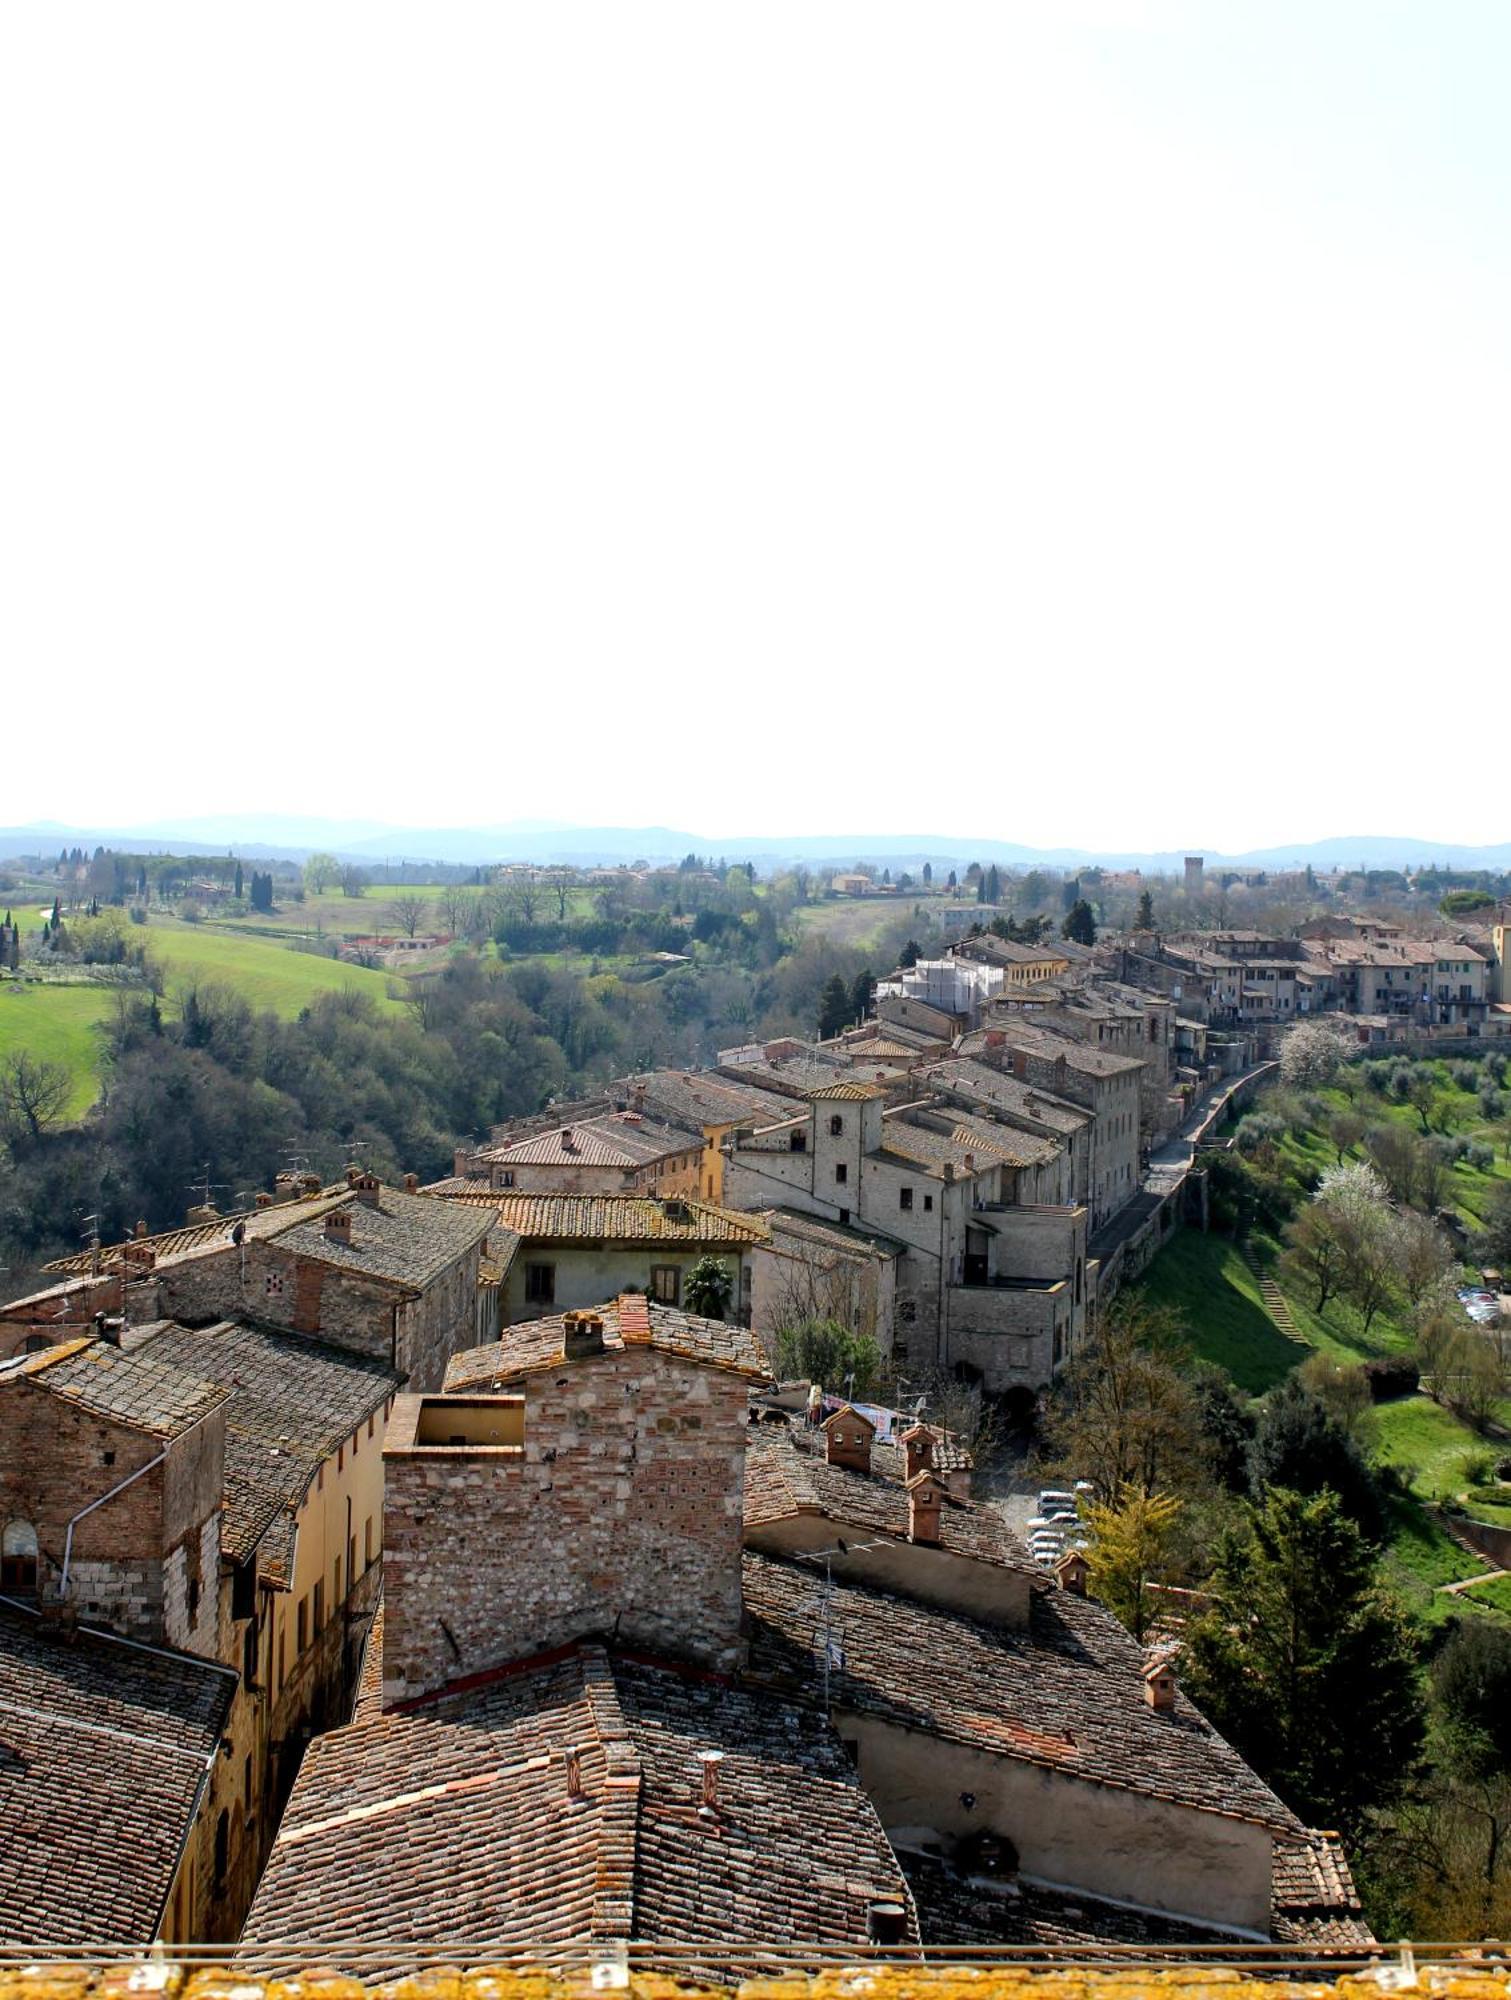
x=287, y=837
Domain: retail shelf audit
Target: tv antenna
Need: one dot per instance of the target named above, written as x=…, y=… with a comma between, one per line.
x=204, y=1187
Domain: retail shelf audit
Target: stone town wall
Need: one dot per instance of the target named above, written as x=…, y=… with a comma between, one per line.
x=622, y=1513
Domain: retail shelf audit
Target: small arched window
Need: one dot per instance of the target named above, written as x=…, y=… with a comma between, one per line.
x=836, y=1125
x=18, y=1558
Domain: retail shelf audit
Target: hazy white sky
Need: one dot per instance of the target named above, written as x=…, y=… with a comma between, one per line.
x=1062, y=422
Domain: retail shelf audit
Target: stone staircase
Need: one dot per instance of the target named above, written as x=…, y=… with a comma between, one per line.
x=1274, y=1300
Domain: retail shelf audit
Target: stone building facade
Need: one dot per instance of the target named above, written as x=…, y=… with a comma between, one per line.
x=584, y=1478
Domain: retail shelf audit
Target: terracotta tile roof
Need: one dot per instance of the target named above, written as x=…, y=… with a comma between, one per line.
x=697, y=1098
x=1004, y=1142
x=627, y=1322
x=130, y=1388
x=917, y=1146
x=103, y=1750
x=850, y=1091
x=881, y=1048
x=1077, y=1055
x=786, y=1473
x=292, y=1401
x=614, y=1218
x=1315, y=1901
x=201, y=1236
x=452, y=1822
x=842, y=1236
x=1067, y=1694
x=1001, y=1091
x=408, y=1239
x=618, y=1139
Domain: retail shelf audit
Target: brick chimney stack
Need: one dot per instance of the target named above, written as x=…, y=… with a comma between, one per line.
x=1072, y=1572
x=925, y=1503
x=411, y=1184
x=581, y=1335
x=918, y=1451
x=1159, y=1686
x=338, y=1225
x=710, y=1760
x=848, y=1437
x=367, y=1188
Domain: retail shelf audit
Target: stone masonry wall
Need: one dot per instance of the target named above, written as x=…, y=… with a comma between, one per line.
x=621, y=1513
x=55, y=1459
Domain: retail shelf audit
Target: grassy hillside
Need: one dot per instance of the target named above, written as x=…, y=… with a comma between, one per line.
x=268, y=974
x=57, y=1024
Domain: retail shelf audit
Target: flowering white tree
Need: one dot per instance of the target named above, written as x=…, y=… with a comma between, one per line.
x=1311, y=1054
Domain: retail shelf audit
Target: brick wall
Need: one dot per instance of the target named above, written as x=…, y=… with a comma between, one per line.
x=134, y=1557
x=622, y=1511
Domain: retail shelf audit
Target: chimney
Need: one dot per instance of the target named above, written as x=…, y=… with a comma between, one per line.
x=925, y=1500
x=568, y=1140
x=581, y=1335
x=970, y=1163
x=141, y=1229
x=847, y=1439
x=264, y=1199
x=1159, y=1686
x=710, y=1761
x=461, y=1164
x=571, y=1758
x=948, y=1171
x=637, y=1098
x=204, y=1211
x=995, y=1038
x=1020, y=1064
x=1072, y=1572
x=367, y=1188
x=338, y=1225
x=411, y=1184
x=918, y=1450
x=887, y=1922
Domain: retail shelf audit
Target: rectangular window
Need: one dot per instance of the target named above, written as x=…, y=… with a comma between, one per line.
x=370, y=1422
x=246, y=1784
x=665, y=1279
x=336, y=1590
x=904, y=1197
x=841, y=1174
x=302, y=1635
x=540, y=1284
x=506, y=1178
x=281, y=1669
x=797, y=1142
x=351, y=1562
x=928, y=1204
x=367, y=1542
x=319, y=1607
x=340, y=1458
x=836, y=1126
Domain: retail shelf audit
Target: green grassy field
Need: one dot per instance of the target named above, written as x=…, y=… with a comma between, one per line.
x=1205, y=1279
x=57, y=1024
x=265, y=973
x=858, y=922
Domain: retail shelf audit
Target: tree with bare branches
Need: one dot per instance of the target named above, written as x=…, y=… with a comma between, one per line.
x=34, y=1094
x=408, y=912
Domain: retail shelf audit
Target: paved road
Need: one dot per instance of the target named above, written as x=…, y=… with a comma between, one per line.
x=1169, y=1163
